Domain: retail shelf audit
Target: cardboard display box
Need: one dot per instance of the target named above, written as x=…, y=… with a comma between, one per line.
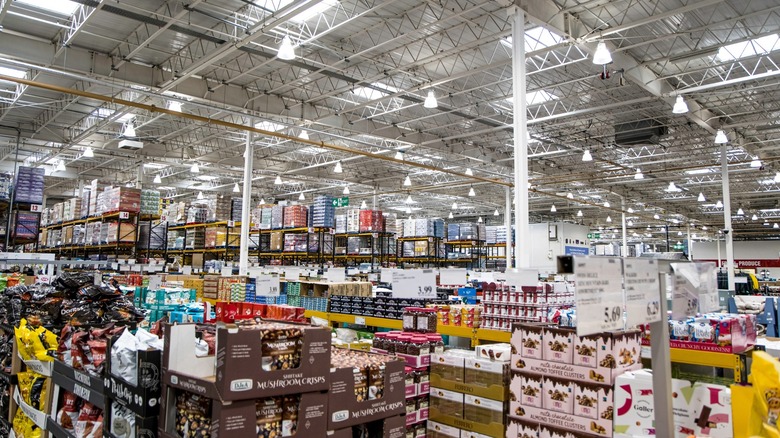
x=236, y=372
x=144, y=426
x=441, y=430
x=84, y=385
x=346, y=410
x=392, y=427
x=238, y=419
x=593, y=427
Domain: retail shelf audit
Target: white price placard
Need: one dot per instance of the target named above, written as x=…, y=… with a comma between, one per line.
x=267, y=285
x=227, y=271
x=694, y=289
x=155, y=282
x=598, y=294
x=336, y=275
x=452, y=276
x=414, y=283
x=386, y=275
x=643, y=295
x=292, y=273
x=522, y=277
x=186, y=270
x=360, y=320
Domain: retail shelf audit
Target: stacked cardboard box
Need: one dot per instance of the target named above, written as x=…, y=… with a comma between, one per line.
x=123, y=199
x=353, y=220
x=283, y=396
x=323, y=213
x=6, y=182
x=235, y=209
x=26, y=225
x=29, y=185
x=371, y=221
x=277, y=217
x=563, y=380
x=295, y=216
x=150, y=202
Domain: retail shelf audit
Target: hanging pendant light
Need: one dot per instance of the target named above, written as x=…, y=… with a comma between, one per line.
x=680, y=107
x=553, y=209
x=200, y=195
x=399, y=155
x=630, y=210
x=472, y=192
x=609, y=219
x=363, y=205
x=606, y=204
x=409, y=199
x=278, y=180
x=430, y=101
x=496, y=213
x=346, y=190
x=639, y=174
x=454, y=205
x=301, y=197
x=469, y=172
x=672, y=187
x=236, y=188
x=174, y=105
x=570, y=195
x=586, y=156
x=157, y=179
x=88, y=152
x=480, y=219
x=754, y=217
x=450, y=216
x=579, y=213
x=337, y=168
x=630, y=223
x=656, y=216
x=408, y=210
x=720, y=137
x=407, y=181
x=701, y=197
x=195, y=168
x=304, y=135
x=755, y=163
x=718, y=204
x=60, y=166
x=129, y=131
x=602, y=55
x=286, y=50
x=740, y=212
x=777, y=177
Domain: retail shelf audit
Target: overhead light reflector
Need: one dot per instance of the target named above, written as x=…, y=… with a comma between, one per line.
x=430, y=101
x=286, y=51
x=680, y=107
x=602, y=55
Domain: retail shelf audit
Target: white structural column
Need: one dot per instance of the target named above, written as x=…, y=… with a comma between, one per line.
x=522, y=231
x=623, y=220
x=246, y=207
x=690, y=243
x=728, y=235
x=508, y=225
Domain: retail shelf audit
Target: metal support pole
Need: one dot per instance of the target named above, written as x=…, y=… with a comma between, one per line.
x=720, y=265
x=373, y=204
x=668, y=248
x=139, y=176
x=662, y=368
x=522, y=230
x=8, y=227
x=690, y=243
x=724, y=173
x=508, y=225
x=246, y=207
x=623, y=219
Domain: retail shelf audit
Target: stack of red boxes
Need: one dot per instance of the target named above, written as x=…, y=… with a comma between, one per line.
x=229, y=312
x=371, y=221
x=295, y=216
x=123, y=199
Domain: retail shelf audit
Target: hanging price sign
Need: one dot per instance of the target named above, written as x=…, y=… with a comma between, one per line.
x=414, y=283
x=642, y=291
x=598, y=294
x=267, y=285
x=694, y=289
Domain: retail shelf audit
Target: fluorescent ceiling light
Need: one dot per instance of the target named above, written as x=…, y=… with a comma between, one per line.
x=430, y=101
x=602, y=55
x=157, y=179
x=62, y=7
x=346, y=190
x=407, y=181
x=680, y=107
x=373, y=92
x=720, y=137
x=586, y=156
x=337, y=168
x=553, y=209
x=206, y=177
x=195, y=168
x=699, y=171
x=312, y=11
x=472, y=192
x=262, y=201
x=14, y=73
x=155, y=165
x=267, y=125
x=286, y=50
x=236, y=188
x=579, y=213
x=701, y=197
x=745, y=49
x=539, y=97
x=537, y=38
x=174, y=105
x=755, y=163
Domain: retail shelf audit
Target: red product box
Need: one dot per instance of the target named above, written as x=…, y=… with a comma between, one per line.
x=226, y=312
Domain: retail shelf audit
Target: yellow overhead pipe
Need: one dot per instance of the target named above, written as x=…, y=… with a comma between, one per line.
x=207, y=120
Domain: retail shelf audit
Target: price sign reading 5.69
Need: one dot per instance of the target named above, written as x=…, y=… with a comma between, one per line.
x=598, y=291
x=611, y=315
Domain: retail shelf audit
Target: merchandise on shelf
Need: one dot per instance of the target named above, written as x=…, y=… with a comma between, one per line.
x=459, y=315
x=380, y=307
x=322, y=212
x=295, y=216
x=503, y=305
x=716, y=332
x=235, y=209
x=150, y=202
x=28, y=187
x=6, y=182
x=25, y=225
x=371, y=221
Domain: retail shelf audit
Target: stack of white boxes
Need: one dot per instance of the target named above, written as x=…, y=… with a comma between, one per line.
x=353, y=220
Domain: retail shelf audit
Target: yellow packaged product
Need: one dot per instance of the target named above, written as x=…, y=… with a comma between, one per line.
x=765, y=376
x=24, y=427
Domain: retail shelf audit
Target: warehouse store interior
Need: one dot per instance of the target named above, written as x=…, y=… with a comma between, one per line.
x=370, y=165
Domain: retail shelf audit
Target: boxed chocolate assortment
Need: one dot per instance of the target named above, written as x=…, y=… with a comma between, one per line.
x=253, y=360
x=364, y=387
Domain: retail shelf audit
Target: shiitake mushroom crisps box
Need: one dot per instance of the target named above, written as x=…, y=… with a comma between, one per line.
x=253, y=360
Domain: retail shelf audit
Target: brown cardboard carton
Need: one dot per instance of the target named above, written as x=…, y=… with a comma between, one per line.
x=237, y=371
x=393, y=427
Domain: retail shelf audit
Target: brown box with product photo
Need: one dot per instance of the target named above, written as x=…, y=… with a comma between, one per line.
x=392, y=427
x=365, y=387
x=252, y=361
x=186, y=413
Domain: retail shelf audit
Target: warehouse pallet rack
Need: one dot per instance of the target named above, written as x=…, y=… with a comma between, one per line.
x=380, y=246
x=433, y=253
x=10, y=213
x=124, y=243
x=157, y=231
x=470, y=253
x=225, y=252
x=319, y=253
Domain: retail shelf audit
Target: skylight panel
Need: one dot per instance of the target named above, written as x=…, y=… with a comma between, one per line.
x=267, y=125
x=745, y=49
x=104, y=113
x=373, y=94
x=537, y=38
x=61, y=7
x=19, y=74
x=537, y=97
x=309, y=13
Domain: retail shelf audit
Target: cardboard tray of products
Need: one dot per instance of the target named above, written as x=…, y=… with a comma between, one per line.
x=391, y=427
x=238, y=374
x=84, y=385
x=144, y=397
